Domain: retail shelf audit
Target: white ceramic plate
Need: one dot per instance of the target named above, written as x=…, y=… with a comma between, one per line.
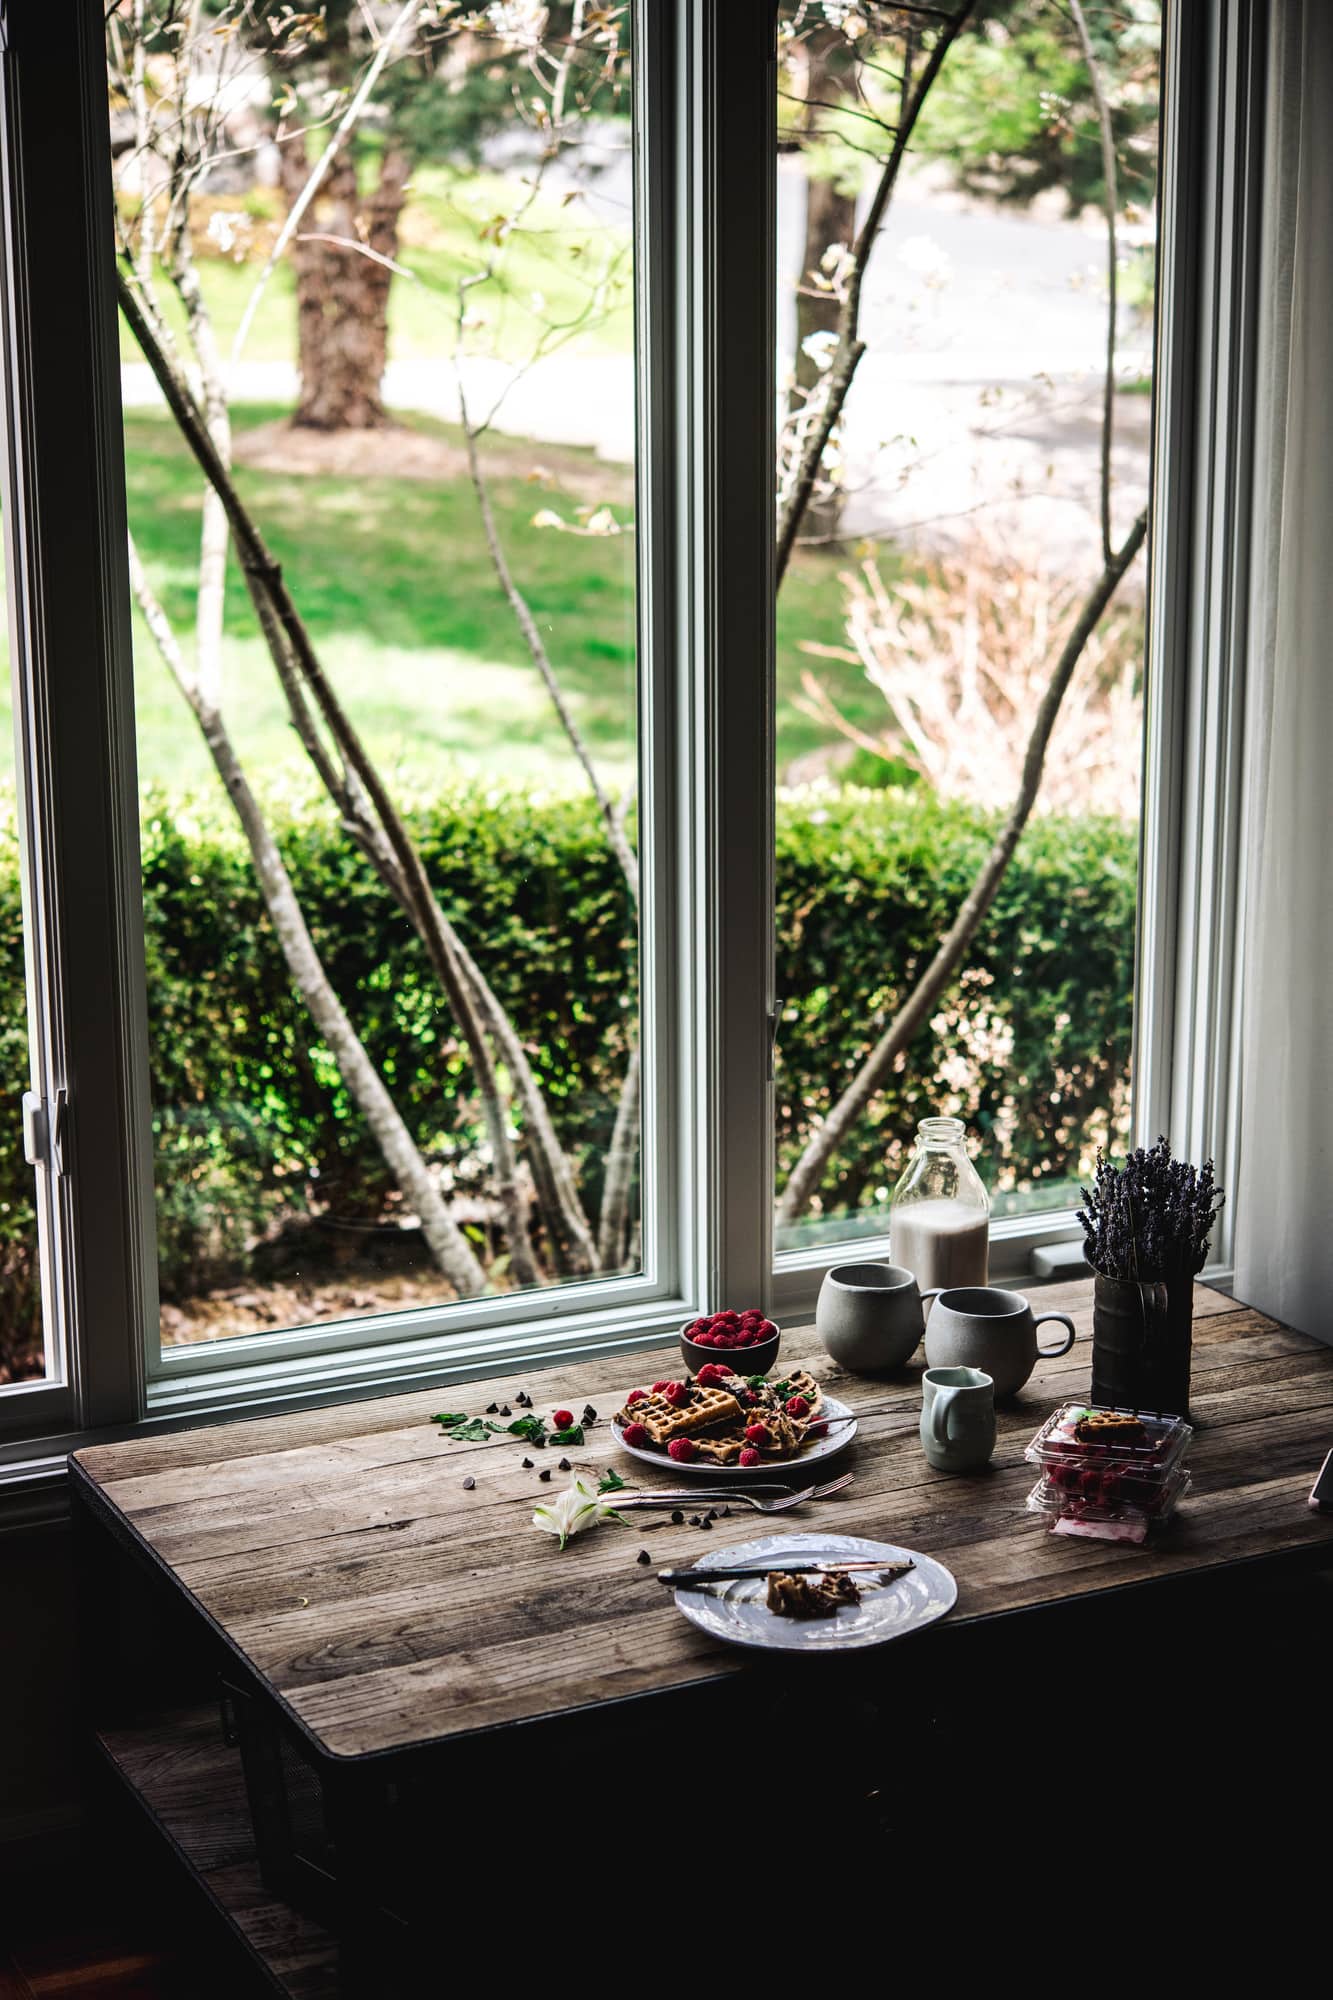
x=738, y=1613
x=837, y=1440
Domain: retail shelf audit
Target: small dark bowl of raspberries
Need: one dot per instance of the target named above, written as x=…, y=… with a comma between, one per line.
x=745, y=1341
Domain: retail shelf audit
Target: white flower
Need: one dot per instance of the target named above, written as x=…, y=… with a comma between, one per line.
x=820, y=348
x=580, y=1506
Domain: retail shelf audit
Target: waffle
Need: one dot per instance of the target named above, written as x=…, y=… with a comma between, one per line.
x=664, y=1421
x=801, y=1597
x=718, y=1414
x=724, y=1449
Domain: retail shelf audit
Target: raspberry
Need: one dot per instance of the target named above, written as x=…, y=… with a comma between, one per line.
x=749, y=1457
x=747, y=1337
x=797, y=1406
x=636, y=1396
x=767, y=1330
x=713, y=1371
x=563, y=1419
x=637, y=1435
x=682, y=1450
x=818, y=1430
x=658, y=1387
x=675, y=1393
x=700, y=1339
x=696, y=1326
x=727, y=1319
x=757, y=1433
x=750, y=1396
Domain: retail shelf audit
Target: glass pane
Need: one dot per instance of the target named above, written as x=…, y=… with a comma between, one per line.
x=943, y=329
x=388, y=830
x=22, y=1353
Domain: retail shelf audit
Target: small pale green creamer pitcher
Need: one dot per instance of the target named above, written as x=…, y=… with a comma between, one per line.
x=957, y=1418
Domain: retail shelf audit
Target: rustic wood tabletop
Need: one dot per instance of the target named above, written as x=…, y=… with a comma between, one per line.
x=387, y=1603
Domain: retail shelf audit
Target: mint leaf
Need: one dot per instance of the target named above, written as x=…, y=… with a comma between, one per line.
x=531, y=1428
x=610, y=1482
x=754, y=1381
x=469, y=1430
x=574, y=1435
x=450, y=1417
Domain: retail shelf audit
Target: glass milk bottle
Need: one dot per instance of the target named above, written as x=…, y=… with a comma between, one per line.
x=939, y=1221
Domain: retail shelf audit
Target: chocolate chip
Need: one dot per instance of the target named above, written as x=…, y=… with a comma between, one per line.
x=589, y=1414
x=707, y=1521
x=564, y=1465
x=469, y=1483
x=725, y=1512
x=491, y=1409
x=527, y=1465
x=545, y=1472
x=677, y=1516
x=712, y=1513
x=505, y=1410
x=523, y=1399
x=643, y=1556
x=696, y=1520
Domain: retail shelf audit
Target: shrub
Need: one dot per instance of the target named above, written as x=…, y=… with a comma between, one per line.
x=253, y=1126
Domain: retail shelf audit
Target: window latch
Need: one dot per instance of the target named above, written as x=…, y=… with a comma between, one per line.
x=774, y=1027
x=45, y=1130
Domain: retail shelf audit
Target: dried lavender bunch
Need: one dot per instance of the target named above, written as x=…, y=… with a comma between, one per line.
x=1150, y=1219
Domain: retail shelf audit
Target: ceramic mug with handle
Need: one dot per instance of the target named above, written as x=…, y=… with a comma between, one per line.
x=957, y=1418
x=983, y=1326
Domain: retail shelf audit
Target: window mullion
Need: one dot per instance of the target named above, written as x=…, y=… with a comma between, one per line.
x=725, y=303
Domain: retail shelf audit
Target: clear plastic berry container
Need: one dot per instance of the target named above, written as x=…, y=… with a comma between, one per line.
x=1108, y=1458
x=1115, y=1520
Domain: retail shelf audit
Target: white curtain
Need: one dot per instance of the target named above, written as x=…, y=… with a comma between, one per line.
x=1283, y=1217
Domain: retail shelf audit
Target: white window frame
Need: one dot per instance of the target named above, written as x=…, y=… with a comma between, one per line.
x=1187, y=984
x=705, y=183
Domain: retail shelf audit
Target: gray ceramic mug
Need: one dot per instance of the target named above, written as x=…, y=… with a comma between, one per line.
x=869, y=1316
x=983, y=1326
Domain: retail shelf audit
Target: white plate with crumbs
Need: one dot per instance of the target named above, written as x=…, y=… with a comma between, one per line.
x=738, y=1611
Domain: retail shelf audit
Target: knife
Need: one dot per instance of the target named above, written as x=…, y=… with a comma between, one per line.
x=890, y=1570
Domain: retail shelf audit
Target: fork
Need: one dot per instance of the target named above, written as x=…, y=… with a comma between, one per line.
x=785, y=1499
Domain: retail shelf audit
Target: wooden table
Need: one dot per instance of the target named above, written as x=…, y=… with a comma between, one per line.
x=387, y=1612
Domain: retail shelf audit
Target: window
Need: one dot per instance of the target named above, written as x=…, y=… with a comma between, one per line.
x=965, y=341
x=390, y=845
x=227, y=1139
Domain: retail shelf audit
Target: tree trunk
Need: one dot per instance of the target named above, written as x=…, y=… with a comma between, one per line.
x=342, y=288
x=830, y=220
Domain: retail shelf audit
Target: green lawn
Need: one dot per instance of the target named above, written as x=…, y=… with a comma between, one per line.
x=393, y=577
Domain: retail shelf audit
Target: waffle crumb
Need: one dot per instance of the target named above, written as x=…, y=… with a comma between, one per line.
x=799, y=1597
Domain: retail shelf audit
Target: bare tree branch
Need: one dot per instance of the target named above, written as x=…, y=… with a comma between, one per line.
x=916, y=1008
x=448, y=1244
x=1110, y=204
x=262, y=571
x=850, y=346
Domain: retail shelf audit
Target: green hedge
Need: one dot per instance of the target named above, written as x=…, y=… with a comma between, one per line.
x=253, y=1124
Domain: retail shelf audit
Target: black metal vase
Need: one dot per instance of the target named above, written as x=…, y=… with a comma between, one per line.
x=1141, y=1344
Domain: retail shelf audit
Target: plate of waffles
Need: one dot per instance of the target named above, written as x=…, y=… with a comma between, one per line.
x=725, y=1425
x=913, y=1590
